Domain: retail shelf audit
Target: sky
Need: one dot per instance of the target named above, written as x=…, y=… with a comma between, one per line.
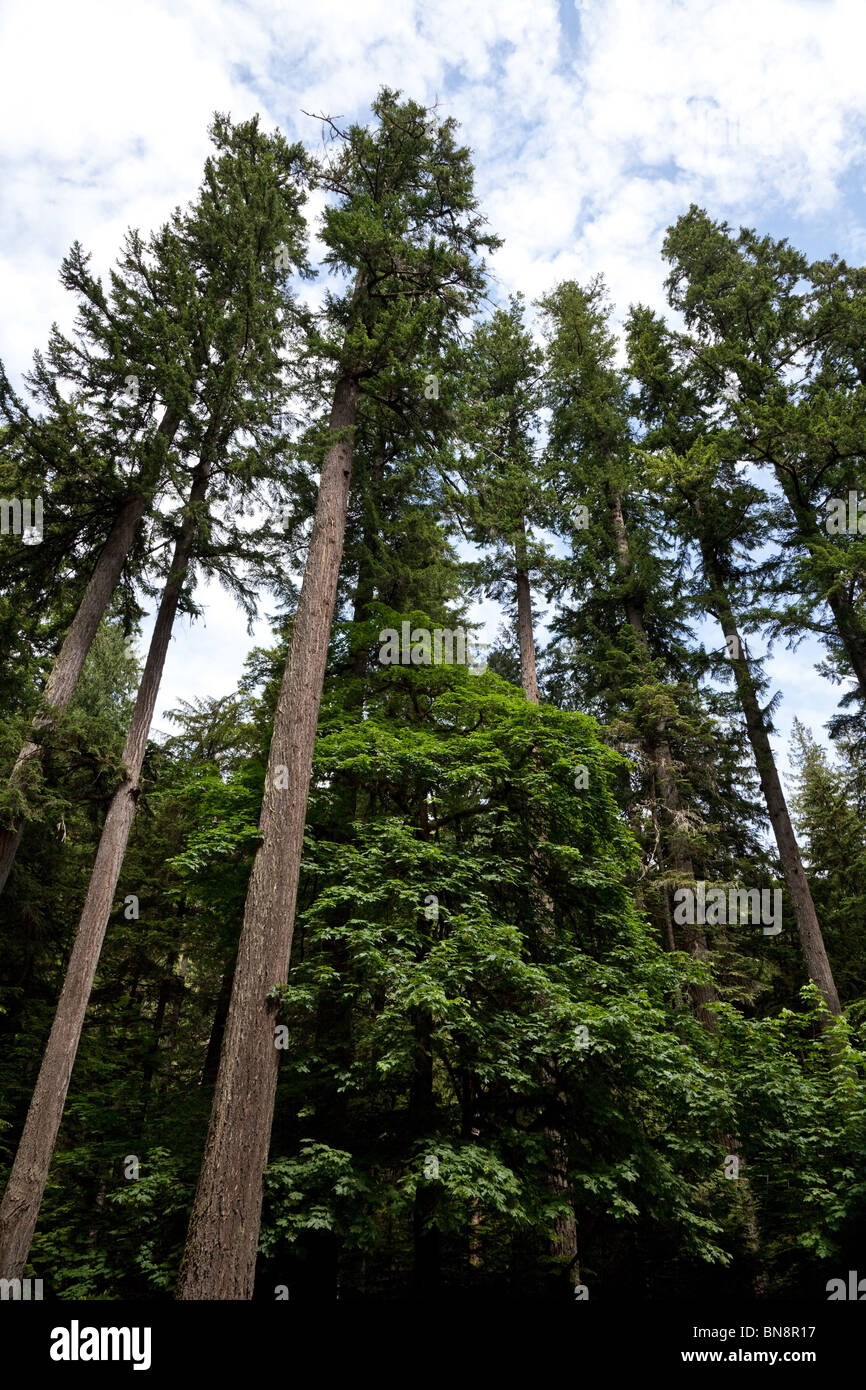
x=593, y=124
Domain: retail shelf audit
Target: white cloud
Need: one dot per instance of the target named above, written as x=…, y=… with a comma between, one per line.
x=589, y=139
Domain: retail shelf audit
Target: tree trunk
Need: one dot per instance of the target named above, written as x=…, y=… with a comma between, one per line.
x=811, y=939
x=21, y=1201
x=151, y=1056
x=70, y=660
x=215, y=1041
x=525, y=631
x=563, y=1247
x=564, y=1244
x=470, y=1129
x=220, y=1256
x=426, y=1243
x=169, y=1031
x=364, y=589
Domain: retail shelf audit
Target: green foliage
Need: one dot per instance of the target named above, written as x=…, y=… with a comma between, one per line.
x=489, y=1019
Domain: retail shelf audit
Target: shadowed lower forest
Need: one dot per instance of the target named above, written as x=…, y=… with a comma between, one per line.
x=417, y=964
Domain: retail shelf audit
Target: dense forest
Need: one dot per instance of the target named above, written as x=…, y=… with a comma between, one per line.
x=413, y=966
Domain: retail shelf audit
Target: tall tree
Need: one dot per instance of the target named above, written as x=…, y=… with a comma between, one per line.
x=142, y=365
x=255, y=202
x=404, y=225
x=617, y=573
x=713, y=506
x=500, y=491
x=727, y=517
x=829, y=806
x=591, y=457
x=778, y=344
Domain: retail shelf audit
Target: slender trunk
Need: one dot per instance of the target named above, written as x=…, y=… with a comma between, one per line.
x=170, y=1028
x=364, y=589
x=422, y=1119
x=151, y=1057
x=171, y=993
x=670, y=940
x=471, y=1130
x=363, y=595
x=525, y=632
x=633, y=607
x=811, y=939
x=563, y=1247
x=220, y=1256
x=564, y=1244
x=215, y=1041
x=21, y=1201
x=70, y=660
x=169, y=1031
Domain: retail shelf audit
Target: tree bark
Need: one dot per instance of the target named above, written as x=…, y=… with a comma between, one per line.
x=426, y=1241
x=525, y=631
x=364, y=589
x=23, y=1196
x=563, y=1247
x=70, y=660
x=811, y=939
x=470, y=1129
x=220, y=1256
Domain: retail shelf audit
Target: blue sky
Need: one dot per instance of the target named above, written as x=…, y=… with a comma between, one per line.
x=593, y=124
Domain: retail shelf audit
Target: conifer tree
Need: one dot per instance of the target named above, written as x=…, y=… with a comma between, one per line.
x=459, y=935
x=501, y=496
x=141, y=367
x=259, y=213
x=404, y=226
x=591, y=459
x=501, y=491
x=777, y=343
x=712, y=506
x=829, y=806
x=727, y=517
x=616, y=572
